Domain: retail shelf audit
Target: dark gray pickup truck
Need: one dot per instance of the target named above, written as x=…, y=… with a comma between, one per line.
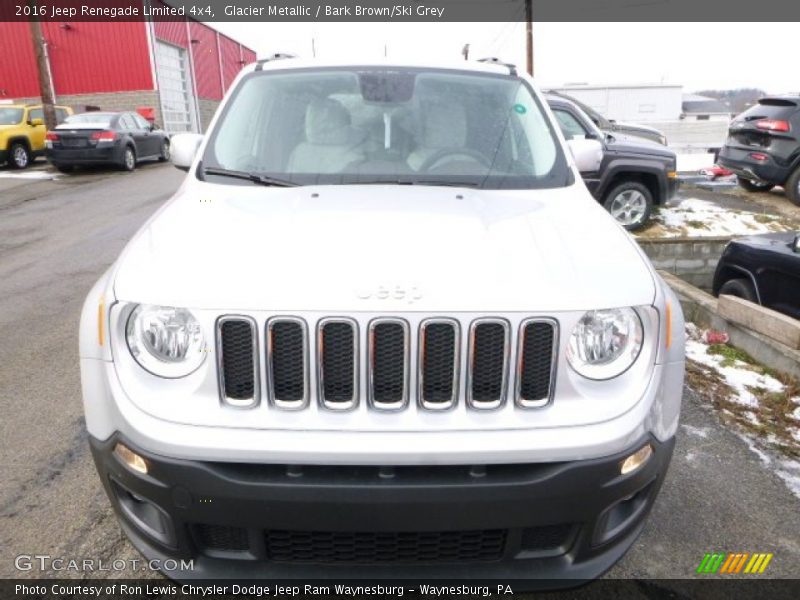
x=635, y=174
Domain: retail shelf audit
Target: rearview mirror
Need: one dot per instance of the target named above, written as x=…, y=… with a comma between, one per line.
x=588, y=154
x=36, y=122
x=183, y=148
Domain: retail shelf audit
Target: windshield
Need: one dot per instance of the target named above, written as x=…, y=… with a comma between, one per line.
x=387, y=125
x=102, y=119
x=10, y=116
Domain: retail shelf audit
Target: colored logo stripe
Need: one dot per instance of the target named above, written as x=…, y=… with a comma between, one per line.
x=734, y=562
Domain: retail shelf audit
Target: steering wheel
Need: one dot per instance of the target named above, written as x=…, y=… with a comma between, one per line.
x=437, y=157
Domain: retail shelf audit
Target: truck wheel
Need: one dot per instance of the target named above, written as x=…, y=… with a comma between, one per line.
x=741, y=288
x=754, y=186
x=792, y=187
x=19, y=157
x=128, y=159
x=630, y=204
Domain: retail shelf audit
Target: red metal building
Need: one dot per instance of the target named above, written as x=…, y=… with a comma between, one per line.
x=180, y=69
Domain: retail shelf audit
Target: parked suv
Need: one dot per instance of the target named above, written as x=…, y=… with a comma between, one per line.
x=382, y=330
x=763, y=146
x=764, y=269
x=22, y=132
x=634, y=174
x=636, y=130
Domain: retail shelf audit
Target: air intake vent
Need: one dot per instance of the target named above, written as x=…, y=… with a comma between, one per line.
x=338, y=363
x=287, y=361
x=438, y=363
x=388, y=356
x=238, y=355
x=488, y=363
x=537, y=348
x=326, y=547
x=222, y=538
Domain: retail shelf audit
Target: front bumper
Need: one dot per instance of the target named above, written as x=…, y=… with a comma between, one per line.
x=556, y=523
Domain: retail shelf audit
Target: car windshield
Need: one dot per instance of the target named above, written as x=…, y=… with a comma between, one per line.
x=10, y=116
x=102, y=119
x=386, y=125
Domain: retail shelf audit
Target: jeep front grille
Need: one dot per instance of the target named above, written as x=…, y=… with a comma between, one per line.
x=338, y=363
x=439, y=341
x=237, y=347
x=388, y=363
x=401, y=362
x=287, y=362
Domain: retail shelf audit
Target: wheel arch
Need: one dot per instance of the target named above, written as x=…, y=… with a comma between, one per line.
x=726, y=272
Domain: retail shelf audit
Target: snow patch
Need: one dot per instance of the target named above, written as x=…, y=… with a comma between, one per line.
x=701, y=432
x=738, y=376
x=699, y=218
x=28, y=175
x=789, y=471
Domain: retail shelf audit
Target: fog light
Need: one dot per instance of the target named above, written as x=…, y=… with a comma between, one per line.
x=130, y=458
x=637, y=459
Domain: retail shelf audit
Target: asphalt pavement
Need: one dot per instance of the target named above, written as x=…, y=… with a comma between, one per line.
x=57, y=236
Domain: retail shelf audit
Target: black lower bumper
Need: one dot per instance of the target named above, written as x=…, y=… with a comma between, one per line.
x=743, y=165
x=107, y=154
x=4, y=155
x=557, y=522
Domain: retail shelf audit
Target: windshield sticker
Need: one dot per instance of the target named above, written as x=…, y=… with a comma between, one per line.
x=519, y=109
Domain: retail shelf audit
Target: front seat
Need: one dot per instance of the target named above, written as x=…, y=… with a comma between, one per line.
x=330, y=144
x=443, y=126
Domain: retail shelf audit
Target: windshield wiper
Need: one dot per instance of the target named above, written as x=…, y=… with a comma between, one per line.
x=254, y=177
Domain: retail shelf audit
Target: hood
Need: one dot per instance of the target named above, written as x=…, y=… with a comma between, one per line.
x=623, y=142
x=382, y=248
x=781, y=238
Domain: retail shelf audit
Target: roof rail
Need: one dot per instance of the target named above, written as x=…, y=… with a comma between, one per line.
x=277, y=56
x=512, y=68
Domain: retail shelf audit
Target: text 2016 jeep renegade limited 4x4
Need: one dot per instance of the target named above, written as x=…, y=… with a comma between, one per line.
x=382, y=329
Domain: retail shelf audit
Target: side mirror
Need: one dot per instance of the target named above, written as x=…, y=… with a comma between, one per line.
x=796, y=243
x=36, y=122
x=588, y=154
x=183, y=148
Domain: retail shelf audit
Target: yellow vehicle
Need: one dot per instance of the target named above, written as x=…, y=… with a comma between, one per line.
x=22, y=132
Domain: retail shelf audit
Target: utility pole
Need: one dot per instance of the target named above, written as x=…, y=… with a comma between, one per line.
x=45, y=89
x=529, y=34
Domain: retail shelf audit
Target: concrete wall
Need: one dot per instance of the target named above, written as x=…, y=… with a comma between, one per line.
x=692, y=259
x=701, y=309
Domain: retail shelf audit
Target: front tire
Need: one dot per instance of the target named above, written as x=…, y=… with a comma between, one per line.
x=792, y=187
x=128, y=159
x=19, y=157
x=754, y=186
x=164, y=156
x=630, y=203
x=741, y=288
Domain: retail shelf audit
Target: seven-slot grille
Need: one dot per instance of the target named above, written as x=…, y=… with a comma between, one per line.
x=390, y=363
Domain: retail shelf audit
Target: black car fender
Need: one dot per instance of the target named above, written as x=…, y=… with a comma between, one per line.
x=609, y=174
x=719, y=280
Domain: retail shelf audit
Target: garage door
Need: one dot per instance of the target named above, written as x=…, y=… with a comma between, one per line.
x=175, y=86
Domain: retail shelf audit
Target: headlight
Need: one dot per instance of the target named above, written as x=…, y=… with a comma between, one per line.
x=166, y=341
x=605, y=343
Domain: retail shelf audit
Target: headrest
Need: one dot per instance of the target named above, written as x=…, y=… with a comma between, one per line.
x=444, y=126
x=327, y=123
